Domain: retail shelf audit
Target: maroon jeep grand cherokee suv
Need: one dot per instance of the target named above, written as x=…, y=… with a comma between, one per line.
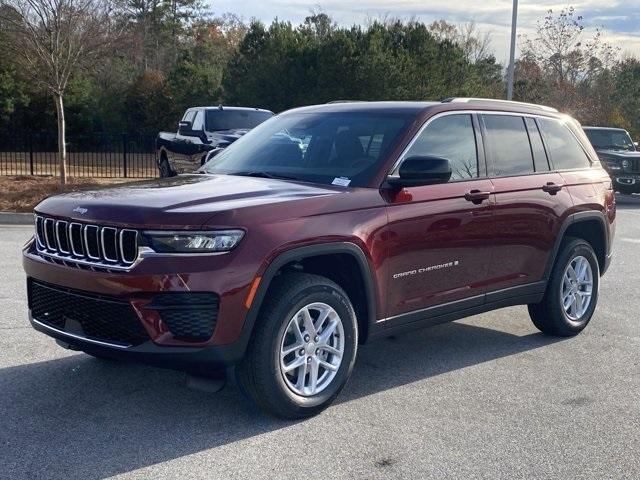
x=323, y=228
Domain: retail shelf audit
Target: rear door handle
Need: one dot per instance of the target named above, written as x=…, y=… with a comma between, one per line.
x=477, y=196
x=552, y=188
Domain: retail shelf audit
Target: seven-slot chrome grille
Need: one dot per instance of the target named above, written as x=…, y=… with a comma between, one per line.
x=86, y=244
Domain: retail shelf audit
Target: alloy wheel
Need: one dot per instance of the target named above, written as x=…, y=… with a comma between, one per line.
x=311, y=349
x=577, y=288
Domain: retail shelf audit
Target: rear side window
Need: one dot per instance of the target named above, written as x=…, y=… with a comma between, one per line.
x=564, y=148
x=508, y=144
x=540, y=160
x=451, y=137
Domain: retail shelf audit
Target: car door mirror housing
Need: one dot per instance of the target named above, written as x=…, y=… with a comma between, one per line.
x=421, y=170
x=184, y=128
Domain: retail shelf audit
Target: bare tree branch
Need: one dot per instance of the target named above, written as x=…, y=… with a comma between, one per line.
x=51, y=40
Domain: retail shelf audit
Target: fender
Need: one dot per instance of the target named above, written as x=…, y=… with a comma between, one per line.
x=301, y=253
x=571, y=220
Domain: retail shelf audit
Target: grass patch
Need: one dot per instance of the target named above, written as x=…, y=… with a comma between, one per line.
x=21, y=193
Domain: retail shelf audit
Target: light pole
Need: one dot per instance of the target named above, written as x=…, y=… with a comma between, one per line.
x=512, y=54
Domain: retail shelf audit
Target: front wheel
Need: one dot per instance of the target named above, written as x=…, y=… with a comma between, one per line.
x=303, y=348
x=572, y=292
x=164, y=167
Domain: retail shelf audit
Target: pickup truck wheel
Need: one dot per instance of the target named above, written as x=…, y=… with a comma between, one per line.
x=303, y=347
x=572, y=292
x=164, y=167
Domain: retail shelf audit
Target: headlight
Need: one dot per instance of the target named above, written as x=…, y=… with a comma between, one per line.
x=194, y=242
x=625, y=163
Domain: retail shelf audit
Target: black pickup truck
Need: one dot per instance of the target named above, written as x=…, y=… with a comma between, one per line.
x=619, y=156
x=203, y=130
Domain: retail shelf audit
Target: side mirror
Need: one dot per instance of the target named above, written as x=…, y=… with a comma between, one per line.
x=184, y=128
x=636, y=144
x=421, y=170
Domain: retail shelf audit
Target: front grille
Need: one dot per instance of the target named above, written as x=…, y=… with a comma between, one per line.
x=96, y=317
x=188, y=316
x=84, y=244
x=634, y=165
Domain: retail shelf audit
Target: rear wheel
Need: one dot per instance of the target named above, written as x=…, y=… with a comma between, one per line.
x=572, y=292
x=303, y=348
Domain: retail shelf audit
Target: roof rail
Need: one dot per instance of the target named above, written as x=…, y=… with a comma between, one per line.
x=498, y=102
x=345, y=101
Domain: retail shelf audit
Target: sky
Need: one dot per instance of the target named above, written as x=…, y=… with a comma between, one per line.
x=619, y=19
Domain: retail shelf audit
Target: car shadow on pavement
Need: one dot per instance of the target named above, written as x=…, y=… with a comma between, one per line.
x=79, y=417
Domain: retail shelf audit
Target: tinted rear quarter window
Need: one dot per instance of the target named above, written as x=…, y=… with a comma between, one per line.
x=563, y=147
x=508, y=144
x=451, y=137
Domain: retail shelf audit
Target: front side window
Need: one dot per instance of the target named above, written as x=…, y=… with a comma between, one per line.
x=188, y=116
x=328, y=147
x=451, y=137
x=565, y=150
x=508, y=144
x=198, y=121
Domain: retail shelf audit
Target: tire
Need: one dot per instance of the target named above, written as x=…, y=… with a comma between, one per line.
x=551, y=315
x=261, y=375
x=164, y=167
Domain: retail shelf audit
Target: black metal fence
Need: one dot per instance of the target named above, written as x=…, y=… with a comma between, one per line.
x=91, y=155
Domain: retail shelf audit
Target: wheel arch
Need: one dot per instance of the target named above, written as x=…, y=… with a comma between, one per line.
x=589, y=226
x=312, y=259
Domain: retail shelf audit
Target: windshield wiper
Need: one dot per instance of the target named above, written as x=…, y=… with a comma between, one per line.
x=262, y=174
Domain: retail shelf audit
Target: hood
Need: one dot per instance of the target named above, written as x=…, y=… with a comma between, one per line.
x=616, y=154
x=228, y=136
x=186, y=201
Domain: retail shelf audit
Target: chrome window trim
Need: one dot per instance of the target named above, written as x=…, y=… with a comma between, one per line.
x=57, y=230
x=102, y=244
x=86, y=242
x=402, y=157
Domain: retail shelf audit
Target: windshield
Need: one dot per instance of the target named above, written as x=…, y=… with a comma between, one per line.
x=332, y=148
x=610, y=139
x=231, y=119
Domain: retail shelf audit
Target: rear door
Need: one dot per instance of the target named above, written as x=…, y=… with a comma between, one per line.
x=439, y=236
x=531, y=203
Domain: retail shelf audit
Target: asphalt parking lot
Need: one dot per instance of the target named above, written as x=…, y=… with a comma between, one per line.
x=487, y=397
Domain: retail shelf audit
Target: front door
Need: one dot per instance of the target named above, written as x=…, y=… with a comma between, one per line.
x=439, y=236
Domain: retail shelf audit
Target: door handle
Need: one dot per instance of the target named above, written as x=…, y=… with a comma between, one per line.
x=552, y=188
x=477, y=196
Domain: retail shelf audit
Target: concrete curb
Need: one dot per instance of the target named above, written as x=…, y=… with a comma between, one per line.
x=11, y=218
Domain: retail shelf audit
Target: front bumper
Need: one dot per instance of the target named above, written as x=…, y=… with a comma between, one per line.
x=138, y=290
x=629, y=181
x=192, y=359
